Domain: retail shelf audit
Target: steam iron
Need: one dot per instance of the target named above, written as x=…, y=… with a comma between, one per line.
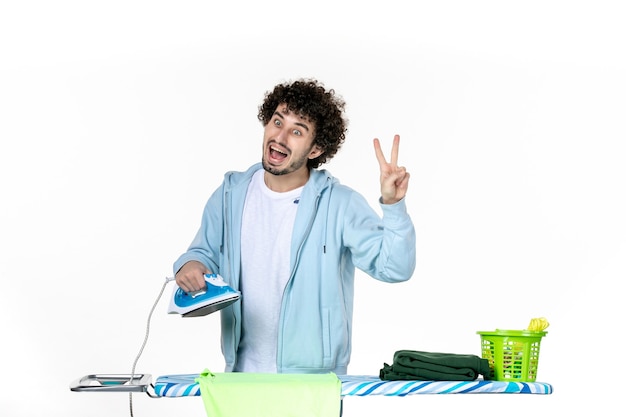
x=214, y=297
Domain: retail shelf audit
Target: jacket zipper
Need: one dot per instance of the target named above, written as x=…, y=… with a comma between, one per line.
x=293, y=272
x=226, y=242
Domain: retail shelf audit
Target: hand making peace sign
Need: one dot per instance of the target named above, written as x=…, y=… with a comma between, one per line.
x=394, y=180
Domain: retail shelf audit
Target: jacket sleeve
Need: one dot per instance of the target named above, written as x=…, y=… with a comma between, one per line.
x=383, y=248
x=205, y=247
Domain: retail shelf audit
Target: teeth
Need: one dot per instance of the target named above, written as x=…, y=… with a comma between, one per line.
x=276, y=150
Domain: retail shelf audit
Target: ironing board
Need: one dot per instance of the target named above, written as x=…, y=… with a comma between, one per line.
x=184, y=385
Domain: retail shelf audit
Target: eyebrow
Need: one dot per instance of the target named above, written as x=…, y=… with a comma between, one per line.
x=303, y=125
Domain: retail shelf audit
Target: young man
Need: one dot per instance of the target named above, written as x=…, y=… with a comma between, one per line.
x=289, y=237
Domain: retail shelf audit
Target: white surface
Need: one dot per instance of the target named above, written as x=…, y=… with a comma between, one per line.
x=118, y=119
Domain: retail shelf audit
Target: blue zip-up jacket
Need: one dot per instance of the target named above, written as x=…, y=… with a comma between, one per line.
x=335, y=230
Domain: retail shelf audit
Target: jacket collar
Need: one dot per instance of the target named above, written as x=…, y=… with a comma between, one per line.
x=319, y=179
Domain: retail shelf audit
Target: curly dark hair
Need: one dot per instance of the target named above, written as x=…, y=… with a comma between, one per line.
x=309, y=99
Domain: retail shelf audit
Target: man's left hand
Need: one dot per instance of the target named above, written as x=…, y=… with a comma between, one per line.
x=394, y=180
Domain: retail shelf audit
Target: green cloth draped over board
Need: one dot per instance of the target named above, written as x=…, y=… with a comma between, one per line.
x=433, y=366
x=238, y=394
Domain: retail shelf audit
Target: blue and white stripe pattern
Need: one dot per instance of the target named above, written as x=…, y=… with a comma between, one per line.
x=362, y=385
x=184, y=385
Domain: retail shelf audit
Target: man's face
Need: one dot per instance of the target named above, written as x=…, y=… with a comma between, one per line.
x=288, y=143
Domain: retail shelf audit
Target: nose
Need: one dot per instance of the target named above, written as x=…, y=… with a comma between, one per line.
x=281, y=136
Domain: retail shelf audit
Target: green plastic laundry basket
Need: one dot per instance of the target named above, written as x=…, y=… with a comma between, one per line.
x=513, y=355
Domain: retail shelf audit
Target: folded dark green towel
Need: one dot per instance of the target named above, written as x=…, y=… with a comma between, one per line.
x=433, y=366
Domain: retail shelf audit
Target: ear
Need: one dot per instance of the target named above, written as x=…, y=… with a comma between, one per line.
x=315, y=152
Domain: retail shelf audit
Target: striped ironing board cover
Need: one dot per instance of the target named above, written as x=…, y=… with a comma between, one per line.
x=184, y=385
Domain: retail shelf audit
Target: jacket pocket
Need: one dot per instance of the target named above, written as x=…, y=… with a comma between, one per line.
x=326, y=332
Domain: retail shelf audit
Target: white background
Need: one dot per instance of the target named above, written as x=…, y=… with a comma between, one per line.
x=119, y=118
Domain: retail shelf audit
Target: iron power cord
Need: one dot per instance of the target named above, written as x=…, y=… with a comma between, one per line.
x=145, y=340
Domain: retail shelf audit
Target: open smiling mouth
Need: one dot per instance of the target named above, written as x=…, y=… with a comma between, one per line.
x=276, y=155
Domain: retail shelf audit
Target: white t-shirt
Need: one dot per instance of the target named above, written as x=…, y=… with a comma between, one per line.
x=266, y=230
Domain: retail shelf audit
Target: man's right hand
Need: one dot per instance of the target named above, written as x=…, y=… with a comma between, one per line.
x=190, y=277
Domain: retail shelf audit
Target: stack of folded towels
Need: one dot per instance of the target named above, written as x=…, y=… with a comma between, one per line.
x=433, y=366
